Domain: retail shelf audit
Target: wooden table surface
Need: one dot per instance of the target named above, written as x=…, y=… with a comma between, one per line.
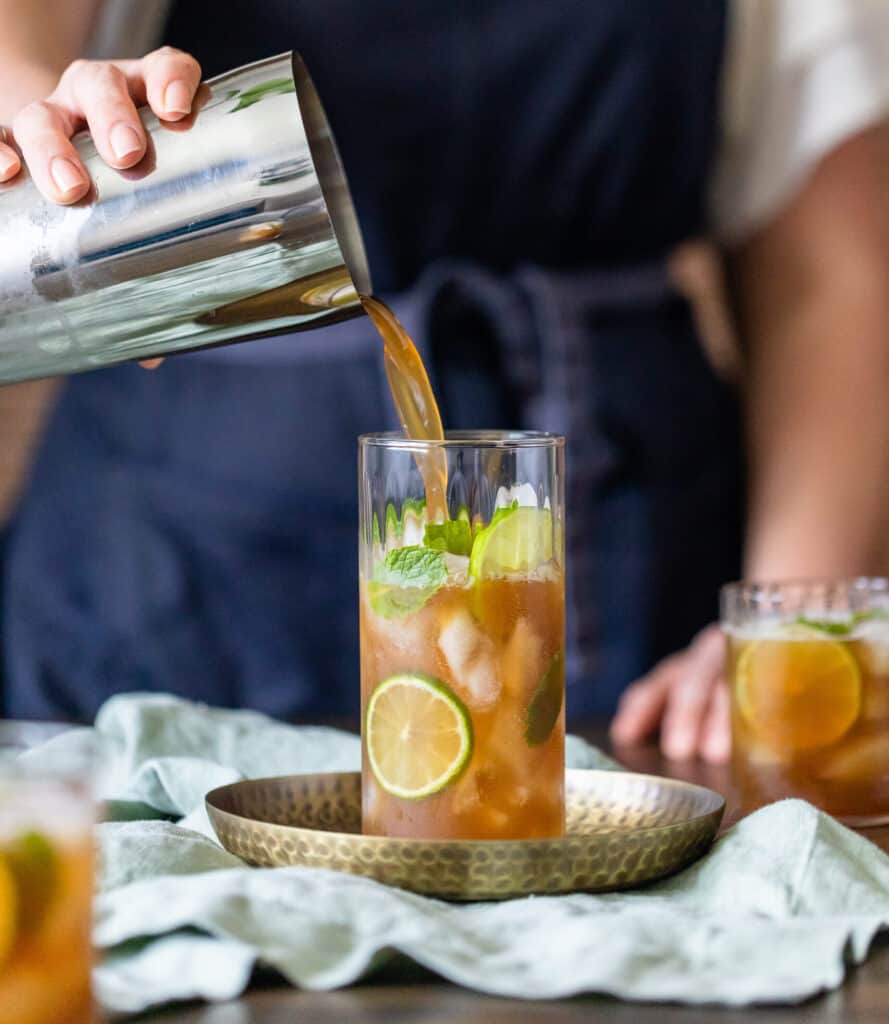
x=400, y=995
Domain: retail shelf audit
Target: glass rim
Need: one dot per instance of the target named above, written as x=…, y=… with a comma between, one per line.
x=499, y=439
x=757, y=586
x=748, y=600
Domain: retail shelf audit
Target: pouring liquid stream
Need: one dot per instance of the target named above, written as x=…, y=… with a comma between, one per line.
x=414, y=402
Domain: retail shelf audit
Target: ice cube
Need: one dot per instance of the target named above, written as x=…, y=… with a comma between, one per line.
x=466, y=795
x=875, y=702
x=866, y=758
x=409, y=634
x=470, y=656
x=493, y=822
x=522, y=662
x=762, y=756
x=372, y=800
x=519, y=797
x=547, y=572
x=458, y=568
x=874, y=646
x=413, y=529
x=524, y=494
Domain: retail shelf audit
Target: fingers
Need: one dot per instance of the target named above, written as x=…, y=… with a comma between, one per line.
x=150, y=364
x=716, y=736
x=171, y=81
x=42, y=131
x=689, y=698
x=98, y=93
x=102, y=95
x=10, y=164
x=642, y=704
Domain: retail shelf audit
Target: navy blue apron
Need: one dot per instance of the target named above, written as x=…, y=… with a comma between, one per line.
x=521, y=172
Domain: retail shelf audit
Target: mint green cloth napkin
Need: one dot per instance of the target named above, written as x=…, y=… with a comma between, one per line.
x=785, y=900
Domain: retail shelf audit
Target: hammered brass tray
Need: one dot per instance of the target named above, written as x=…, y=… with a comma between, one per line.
x=622, y=830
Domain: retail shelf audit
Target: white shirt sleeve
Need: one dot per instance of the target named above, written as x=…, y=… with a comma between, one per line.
x=801, y=77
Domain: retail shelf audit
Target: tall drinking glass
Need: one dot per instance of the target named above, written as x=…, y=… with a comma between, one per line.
x=46, y=878
x=463, y=636
x=809, y=677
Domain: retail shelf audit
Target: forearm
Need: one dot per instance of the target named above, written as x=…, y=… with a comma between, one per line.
x=818, y=433
x=815, y=293
x=37, y=42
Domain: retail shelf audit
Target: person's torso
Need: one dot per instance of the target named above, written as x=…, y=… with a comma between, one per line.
x=567, y=133
x=530, y=164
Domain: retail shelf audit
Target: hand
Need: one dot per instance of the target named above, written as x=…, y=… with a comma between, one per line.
x=102, y=96
x=687, y=696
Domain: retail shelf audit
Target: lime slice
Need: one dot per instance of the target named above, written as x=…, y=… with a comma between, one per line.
x=8, y=912
x=418, y=735
x=546, y=703
x=518, y=539
x=799, y=692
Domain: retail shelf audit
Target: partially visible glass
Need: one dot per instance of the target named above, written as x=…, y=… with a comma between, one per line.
x=809, y=678
x=46, y=876
x=463, y=637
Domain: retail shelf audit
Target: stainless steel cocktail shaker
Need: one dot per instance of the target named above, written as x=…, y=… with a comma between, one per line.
x=238, y=223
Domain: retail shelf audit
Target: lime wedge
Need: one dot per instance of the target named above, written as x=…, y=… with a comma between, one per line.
x=518, y=539
x=546, y=703
x=418, y=735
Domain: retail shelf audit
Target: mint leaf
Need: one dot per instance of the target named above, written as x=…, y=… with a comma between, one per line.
x=406, y=580
x=546, y=703
x=454, y=536
x=829, y=626
x=834, y=628
x=413, y=566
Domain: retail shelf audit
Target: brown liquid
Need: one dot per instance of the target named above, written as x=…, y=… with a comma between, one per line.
x=827, y=746
x=45, y=978
x=510, y=789
x=414, y=402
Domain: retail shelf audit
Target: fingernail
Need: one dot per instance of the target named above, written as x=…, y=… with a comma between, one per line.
x=124, y=140
x=7, y=163
x=621, y=732
x=177, y=98
x=718, y=749
x=66, y=176
x=678, y=746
